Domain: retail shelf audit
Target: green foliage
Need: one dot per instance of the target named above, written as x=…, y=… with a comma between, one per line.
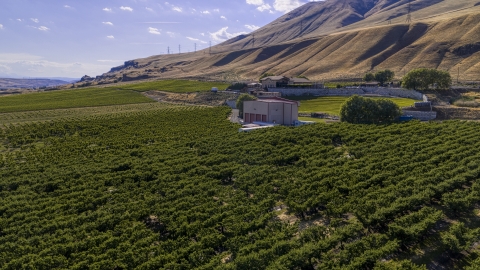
x=384, y=76
x=369, y=77
x=237, y=86
x=266, y=74
x=174, y=86
x=241, y=99
x=400, y=265
x=181, y=188
x=360, y=110
x=302, y=76
x=456, y=238
x=69, y=99
x=424, y=78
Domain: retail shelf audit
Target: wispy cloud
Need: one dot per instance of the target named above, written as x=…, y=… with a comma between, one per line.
x=196, y=39
x=150, y=9
x=110, y=37
x=223, y=17
x=107, y=9
x=171, y=34
x=223, y=34
x=252, y=27
x=126, y=8
x=154, y=31
x=67, y=6
x=205, y=12
x=108, y=23
x=173, y=7
x=20, y=20
x=34, y=20
x=1, y=26
x=43, y=28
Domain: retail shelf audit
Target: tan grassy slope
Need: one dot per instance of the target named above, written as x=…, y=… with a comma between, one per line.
x=447, y=36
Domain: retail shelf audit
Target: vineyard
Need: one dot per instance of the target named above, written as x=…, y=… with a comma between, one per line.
x=176, y=188
x=70, y=99
x=174, y=86
x=80, y=113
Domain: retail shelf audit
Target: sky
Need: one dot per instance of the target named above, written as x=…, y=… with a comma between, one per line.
x=72, y=38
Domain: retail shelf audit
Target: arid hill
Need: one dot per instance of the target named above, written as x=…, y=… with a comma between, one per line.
x=335, y=39
x=9, y=83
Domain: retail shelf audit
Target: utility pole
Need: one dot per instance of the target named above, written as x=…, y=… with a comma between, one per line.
x=179, y=49
x=409, y=15
x=168, y=50
x=458, y=75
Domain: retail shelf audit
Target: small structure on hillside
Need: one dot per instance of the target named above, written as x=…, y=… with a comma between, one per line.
x=299, y=82
x=273, y=110
x=273, y=81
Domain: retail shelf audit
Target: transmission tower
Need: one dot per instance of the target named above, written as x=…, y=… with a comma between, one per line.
x=168, y=50
x=195, y=47
x=409, y=13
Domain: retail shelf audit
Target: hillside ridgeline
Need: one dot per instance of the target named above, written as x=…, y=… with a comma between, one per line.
x=333, y=40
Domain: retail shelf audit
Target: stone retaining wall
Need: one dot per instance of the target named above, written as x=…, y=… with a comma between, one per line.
x=423, y=116
x=380, y=91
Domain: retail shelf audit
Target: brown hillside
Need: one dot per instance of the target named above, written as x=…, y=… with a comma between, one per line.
x=355, y=36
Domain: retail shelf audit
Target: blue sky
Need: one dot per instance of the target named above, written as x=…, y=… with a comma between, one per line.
x=72, y=38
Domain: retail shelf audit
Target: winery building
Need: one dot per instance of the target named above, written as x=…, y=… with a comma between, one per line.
x=271, y=110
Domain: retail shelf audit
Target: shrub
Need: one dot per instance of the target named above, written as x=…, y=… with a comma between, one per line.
x=369, y=77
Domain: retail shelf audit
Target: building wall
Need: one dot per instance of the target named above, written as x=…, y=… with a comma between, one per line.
x=269, y=83
x=276, y=113
x=272, y=112
x=423, y=116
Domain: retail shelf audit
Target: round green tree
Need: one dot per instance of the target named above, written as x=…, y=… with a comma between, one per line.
x=241, y=99
x=360, y=110
x=424, y=78
x=384, y=76
x=369, y=77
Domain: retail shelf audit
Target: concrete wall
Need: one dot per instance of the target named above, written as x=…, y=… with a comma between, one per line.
x=423, y=116
x=255, y=107
x=380, y=91
x=276, y=112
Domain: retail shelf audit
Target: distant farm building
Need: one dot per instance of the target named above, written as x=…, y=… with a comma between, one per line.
x=271, y=110
x=284, y=82
x=273, y=81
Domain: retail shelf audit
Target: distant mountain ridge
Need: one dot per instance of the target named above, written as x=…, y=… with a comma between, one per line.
x=335, y=39
x=18, y=83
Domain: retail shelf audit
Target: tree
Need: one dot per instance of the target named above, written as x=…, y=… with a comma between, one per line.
x=241, y=99
x=369, y=77
x=360, y=110
x=424, y=78
x=384, y=76
x=266, y=74
x=456, y=238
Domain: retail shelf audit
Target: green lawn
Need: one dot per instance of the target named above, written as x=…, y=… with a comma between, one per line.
x=176, y=86
x=90, y=97
x=317, y=120
x=332, y=105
